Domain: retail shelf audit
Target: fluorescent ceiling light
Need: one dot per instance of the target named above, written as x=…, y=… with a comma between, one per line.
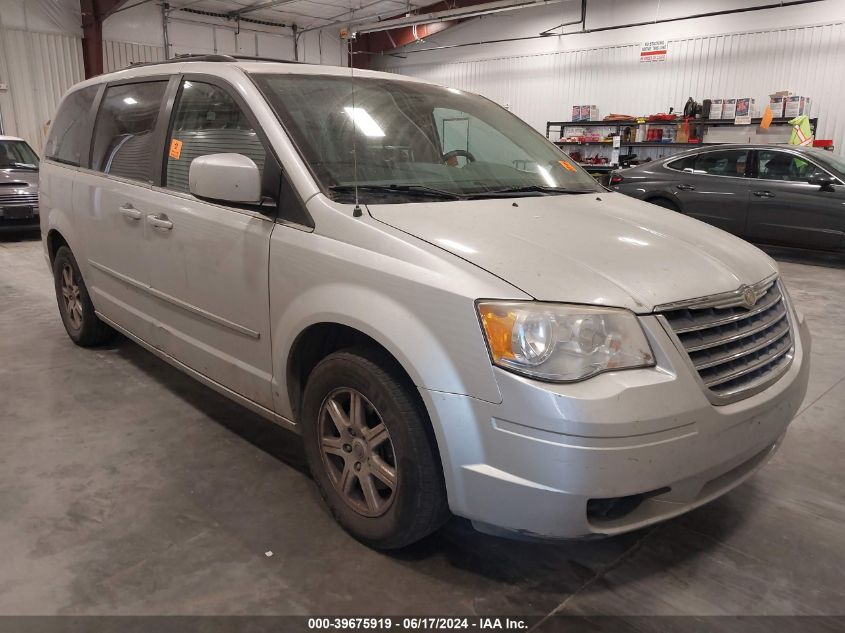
x=364, y=122
x=130, y=101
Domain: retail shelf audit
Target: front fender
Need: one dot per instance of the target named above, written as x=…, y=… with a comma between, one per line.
x=428, y=358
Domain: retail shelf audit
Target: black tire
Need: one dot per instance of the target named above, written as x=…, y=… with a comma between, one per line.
x=81, y=323
x=665, y=203
x=416, y=505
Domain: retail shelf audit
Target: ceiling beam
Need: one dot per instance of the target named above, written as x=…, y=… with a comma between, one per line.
x=184, y=5
x=449, y=14
x=269, y=4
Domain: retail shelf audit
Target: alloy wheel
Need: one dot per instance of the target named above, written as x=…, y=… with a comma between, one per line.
x=71, y=297
x=357, y=452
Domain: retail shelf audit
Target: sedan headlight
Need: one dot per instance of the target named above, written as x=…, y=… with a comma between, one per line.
x=562, y=343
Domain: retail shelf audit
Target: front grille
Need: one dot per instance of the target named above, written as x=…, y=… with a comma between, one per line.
x=18, y=199
x=736, y=350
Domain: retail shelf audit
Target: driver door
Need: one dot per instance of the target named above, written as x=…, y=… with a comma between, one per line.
x=785, y=209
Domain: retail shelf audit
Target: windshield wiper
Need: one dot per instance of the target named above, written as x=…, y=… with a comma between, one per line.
x=414, y=190
x=509, y=192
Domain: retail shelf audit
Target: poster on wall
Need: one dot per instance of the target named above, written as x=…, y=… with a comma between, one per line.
x=655, y=51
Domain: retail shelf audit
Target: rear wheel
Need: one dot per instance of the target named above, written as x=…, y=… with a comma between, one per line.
x=81, y=323
x=665, y=203
x=368, y=444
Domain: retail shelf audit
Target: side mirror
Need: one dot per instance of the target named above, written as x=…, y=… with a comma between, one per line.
x=225, y=178
x=822, y=180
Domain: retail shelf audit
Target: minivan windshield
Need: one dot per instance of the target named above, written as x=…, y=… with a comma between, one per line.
x=17, y=155
x=403, y=141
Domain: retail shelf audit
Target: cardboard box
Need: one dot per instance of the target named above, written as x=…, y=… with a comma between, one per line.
x=589, y=113
x=728, y=108
x=746, y=107
x=796, y=106
x=716, y=106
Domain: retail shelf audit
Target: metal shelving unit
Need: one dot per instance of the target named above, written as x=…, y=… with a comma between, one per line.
x=697, y=129
x=699, y=124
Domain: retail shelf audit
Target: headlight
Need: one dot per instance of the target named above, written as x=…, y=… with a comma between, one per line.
x=562, y=343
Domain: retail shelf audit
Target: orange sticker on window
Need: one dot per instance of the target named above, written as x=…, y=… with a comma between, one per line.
x=175, y=149
x=565, y=164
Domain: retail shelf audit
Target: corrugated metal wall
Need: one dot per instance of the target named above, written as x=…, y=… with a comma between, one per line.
x=807, y=60
x=38, y=68
x=118, y=55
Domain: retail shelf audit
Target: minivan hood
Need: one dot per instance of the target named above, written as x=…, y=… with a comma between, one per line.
x=602, y=249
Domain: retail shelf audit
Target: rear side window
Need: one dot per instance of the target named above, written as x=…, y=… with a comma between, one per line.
x=124, y=139
x=66, y=142
x=208, y=121
x=729, y=162
x=687, y=162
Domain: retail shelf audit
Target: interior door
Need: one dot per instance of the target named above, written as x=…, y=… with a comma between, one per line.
x=787, y=210
x=208, y=262
x=112, y=198
x=715, y=189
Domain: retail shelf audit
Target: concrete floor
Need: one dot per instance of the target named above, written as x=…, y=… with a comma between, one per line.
x=128, y=488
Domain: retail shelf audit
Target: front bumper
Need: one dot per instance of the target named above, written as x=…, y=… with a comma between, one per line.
x=531, y=464
x=19, y=222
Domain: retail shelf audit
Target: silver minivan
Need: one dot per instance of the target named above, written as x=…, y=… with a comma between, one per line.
x=453, y=315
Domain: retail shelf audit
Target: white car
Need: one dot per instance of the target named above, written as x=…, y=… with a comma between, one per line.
x=18, y=185
x=453, y=315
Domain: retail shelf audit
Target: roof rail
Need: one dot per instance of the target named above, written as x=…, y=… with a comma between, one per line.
x=188, y=57
x=250, y=58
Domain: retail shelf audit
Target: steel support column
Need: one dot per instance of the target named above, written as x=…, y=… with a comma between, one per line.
x=94, y=12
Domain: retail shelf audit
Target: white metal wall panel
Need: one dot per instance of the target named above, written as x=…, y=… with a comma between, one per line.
x=119, y=55
x=38, y=68
x=806, y=60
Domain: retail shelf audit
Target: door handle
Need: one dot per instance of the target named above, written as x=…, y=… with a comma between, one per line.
x=160, y=222
x=685, y=187
x=764, y=194
x=128, y=211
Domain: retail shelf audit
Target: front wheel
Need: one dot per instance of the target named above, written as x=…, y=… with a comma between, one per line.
x=370, y=449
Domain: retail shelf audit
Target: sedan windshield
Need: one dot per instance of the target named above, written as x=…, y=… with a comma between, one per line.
x=402, y=141
x=17, y=155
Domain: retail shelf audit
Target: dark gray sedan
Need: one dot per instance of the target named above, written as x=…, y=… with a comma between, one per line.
x=18, y=184
x=770, y=194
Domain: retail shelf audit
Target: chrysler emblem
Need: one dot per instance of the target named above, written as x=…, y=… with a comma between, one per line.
x=749, y=297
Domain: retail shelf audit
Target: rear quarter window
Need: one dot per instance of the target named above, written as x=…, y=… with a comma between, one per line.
x=687, y=162
x=66, y=142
